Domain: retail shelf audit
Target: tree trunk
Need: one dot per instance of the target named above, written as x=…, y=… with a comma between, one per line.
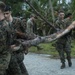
x=48, y=39
x=52, y=11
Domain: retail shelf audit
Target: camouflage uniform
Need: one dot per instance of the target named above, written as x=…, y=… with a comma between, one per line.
x=16, y=66
x=4, y=47
x=63, y=44
x=30, y=31
x=29, y=28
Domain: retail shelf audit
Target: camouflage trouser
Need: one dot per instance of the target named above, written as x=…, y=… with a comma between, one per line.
x=20, y=58
x=16, y=66
x=4, y=62
x=62, y=47
x=23, y=69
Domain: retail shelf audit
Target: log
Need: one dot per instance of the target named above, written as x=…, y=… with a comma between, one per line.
x=49, y=38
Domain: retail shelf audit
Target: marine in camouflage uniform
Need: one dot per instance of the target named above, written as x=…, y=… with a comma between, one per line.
x=30, y=25
x=16, y=66
x=30, y=28
x=4, y=42
x=24, y=24
x=63, y=44
x=4, y=49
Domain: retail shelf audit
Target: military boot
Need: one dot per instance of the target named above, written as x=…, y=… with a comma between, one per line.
x=62, y=66
x=69, y=63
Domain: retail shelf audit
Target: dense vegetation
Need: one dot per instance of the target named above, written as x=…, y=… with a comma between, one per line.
x=47, y=8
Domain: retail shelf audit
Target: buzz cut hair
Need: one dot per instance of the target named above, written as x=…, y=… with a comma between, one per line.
x=7, y=8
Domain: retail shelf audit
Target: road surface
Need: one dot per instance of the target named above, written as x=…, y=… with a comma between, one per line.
x=41, y=64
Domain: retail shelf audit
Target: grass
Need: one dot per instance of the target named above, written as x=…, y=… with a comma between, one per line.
x=73, y=48
x=49, y=49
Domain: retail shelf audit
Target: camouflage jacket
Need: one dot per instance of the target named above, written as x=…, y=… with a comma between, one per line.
x=30, y=28
x=63, y=24
x=4, y=37
x=17, y=28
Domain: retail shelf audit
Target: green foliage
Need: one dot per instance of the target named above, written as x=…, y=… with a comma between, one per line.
x=44, y=8
x=12, y=1
x=47, y=49
x=17, y=9
x=73, y=8
x=16, y=6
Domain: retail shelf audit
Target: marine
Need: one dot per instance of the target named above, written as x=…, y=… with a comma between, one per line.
x=16, y=66
x=63, y=44
x=5, y=53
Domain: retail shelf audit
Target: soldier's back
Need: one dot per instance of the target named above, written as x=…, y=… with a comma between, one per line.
x=4, y=48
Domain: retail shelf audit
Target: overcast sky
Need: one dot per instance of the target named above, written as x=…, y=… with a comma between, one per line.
x=67, y=1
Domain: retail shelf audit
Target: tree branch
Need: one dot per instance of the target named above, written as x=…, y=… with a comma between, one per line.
x=48, y=39
x=39, y=14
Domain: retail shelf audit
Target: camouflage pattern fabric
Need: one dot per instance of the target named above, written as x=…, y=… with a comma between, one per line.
x=4, y=47
x=17, y=56
x=63, y=44
x=29, y=29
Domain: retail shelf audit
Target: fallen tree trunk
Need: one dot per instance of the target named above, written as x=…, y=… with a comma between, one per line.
x=48, y=39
